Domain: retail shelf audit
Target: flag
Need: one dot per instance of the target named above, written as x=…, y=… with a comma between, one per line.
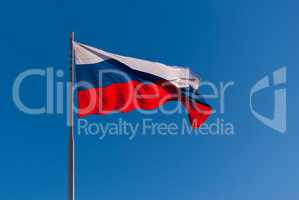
x=109, y=83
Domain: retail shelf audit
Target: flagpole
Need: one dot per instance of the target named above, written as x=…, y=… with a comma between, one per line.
x=71, y=146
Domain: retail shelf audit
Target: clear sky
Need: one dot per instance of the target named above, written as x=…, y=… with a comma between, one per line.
x=222, y=41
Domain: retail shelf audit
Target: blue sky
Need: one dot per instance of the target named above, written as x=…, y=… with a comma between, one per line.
x=222, y=41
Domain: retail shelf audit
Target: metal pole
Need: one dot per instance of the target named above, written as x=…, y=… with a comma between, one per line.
x=71, y=147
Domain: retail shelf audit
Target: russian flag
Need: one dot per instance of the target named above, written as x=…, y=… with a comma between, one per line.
x=113, y=83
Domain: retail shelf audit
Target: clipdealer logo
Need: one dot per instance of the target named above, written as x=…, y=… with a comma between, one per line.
x=279, y=120
x=56, y=88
